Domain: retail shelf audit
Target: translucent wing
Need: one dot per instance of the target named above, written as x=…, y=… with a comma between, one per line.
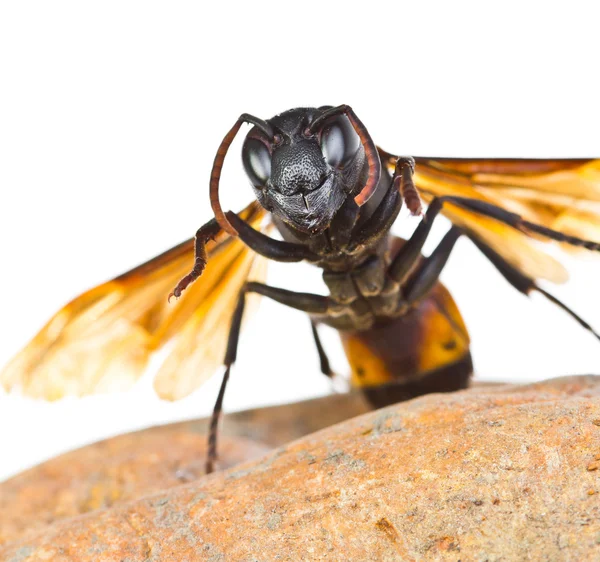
x=103, y=339
x=560, y=194
x=198, y=347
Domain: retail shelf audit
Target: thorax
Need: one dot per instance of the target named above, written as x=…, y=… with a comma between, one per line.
x=354, y=269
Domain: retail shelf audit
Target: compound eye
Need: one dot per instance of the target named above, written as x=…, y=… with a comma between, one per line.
x=339, y=142
x=257, y=162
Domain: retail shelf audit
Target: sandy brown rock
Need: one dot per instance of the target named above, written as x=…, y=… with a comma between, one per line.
x=107, y=473
x=130, y=466
x=500, y=474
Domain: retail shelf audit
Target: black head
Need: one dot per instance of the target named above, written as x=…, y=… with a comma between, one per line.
x=303, y=165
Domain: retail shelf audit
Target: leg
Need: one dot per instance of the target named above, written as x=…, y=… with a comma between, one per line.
x=339, y=384
x=402, y=182
x=406, y=259
x=408, y=256
x=325, y=366
x=205, y=233
x=230, y=356
x=270, y=248
x=428, y=272
x=307, y=302
x=514, y=220
x=525, y=284
x=382, y=219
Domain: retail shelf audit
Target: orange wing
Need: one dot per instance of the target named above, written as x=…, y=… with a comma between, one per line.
x=560, y=194
x=103, y=339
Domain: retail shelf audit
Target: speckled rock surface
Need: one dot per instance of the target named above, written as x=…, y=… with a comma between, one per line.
x=106, y=473
x=144, y=462
x=486, y=474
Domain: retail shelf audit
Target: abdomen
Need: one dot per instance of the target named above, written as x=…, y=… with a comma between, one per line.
x=425, y=350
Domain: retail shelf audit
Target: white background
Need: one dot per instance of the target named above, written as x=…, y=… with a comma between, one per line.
x=110, y=115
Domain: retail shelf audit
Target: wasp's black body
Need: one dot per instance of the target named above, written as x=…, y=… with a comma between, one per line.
x=318, y=173
x=352, y=248
x=333, y=196
x=310, y=188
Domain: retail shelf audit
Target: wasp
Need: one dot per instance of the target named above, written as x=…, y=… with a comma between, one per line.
x=333, y=196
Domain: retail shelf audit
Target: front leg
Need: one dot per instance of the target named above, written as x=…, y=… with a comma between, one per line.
x=276, y=250
x=402, y=180
x=402, y=188
x=205, y=233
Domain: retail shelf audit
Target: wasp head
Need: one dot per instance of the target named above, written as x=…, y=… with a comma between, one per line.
x=301, y=175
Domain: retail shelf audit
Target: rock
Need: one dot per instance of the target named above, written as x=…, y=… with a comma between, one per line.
x=484, y=474
x=107, y=473
x=144, y=462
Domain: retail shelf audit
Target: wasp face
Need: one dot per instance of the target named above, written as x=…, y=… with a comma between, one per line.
x=304, y=176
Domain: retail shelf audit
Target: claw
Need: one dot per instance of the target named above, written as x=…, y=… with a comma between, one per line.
x=418, y=212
